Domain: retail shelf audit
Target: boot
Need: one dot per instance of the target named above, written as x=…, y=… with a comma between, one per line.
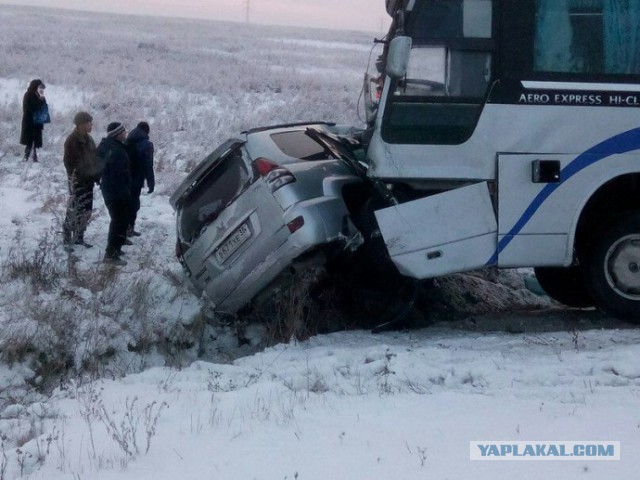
x=112, y=258
x=115, y=261
x=35, y=156
x=80, y=241
x=132, y=233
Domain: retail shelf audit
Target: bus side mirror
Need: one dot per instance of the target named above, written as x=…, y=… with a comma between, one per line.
x=398, y=56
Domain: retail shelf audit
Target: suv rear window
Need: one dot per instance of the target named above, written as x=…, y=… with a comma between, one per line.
x=213, y=194
x=298, y=144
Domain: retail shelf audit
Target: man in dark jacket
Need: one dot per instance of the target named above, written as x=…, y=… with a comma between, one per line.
x=116, y=189
x=140, y=150
x=80, y=164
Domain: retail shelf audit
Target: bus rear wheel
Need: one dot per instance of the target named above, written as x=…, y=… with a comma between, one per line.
x=612, y=268
x=565, y=285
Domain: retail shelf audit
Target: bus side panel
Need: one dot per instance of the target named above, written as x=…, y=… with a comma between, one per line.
x=537, y=221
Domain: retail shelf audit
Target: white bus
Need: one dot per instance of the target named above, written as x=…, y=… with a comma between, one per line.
x=508, y=134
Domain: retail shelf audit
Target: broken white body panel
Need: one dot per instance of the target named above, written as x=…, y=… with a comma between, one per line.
x=441, y=234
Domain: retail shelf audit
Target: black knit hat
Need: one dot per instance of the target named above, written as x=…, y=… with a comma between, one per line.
x=144, y=126
x=114, y=129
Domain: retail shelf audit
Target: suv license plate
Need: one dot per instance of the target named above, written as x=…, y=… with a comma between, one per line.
x=230, y=245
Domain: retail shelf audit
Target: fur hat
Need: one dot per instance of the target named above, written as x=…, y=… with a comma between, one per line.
x=81, y=118
x=114, y=129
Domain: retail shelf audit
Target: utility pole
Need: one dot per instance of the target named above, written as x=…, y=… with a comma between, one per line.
x=248, y=9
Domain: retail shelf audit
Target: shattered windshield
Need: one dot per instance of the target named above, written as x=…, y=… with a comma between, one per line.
x=346, y=148
x=297, y=144
x=340, y=146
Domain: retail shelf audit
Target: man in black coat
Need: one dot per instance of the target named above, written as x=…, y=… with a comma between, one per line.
x=140, y=150
x=115, y=184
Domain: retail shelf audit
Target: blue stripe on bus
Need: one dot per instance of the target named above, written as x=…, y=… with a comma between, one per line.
x=622, y=143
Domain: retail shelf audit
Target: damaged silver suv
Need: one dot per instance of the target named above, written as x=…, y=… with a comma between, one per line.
x=260, y=202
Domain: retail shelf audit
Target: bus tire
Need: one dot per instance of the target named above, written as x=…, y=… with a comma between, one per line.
x=565, y=285
x=612, y=268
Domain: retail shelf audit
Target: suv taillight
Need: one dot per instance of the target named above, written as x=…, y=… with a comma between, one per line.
x=275, y=175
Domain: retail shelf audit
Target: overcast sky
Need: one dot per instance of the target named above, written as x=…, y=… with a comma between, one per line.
x=368, y=15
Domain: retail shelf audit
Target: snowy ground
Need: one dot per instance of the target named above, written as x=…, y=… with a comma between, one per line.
x=353, y=405
x=511, y=367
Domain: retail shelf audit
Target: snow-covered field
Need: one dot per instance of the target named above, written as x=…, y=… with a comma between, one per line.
x=352, y=405
x=109, y=374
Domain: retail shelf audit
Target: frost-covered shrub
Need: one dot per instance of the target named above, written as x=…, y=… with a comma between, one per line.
x=40, y=268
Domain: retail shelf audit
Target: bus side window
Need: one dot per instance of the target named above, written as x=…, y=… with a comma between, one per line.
x=587, y=36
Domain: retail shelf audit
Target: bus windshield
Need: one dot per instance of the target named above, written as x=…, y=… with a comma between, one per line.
x=448, y=75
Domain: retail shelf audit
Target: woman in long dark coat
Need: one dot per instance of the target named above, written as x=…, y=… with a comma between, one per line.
x=31, y=132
